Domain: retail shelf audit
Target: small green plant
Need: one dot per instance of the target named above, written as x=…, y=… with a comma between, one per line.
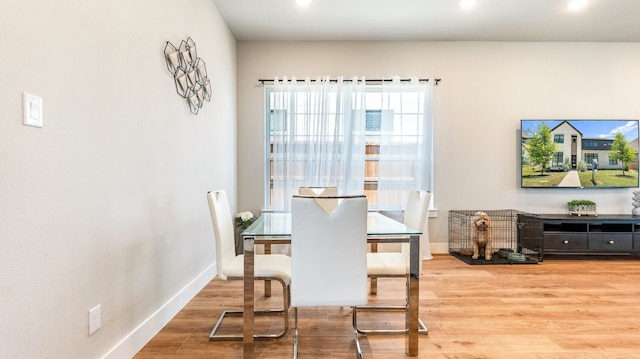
x=244, y=219
x=582, y=206
x=581, y=202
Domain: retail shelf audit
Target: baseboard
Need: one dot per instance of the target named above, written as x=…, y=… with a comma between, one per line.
x=143, y=333
x=439, y=248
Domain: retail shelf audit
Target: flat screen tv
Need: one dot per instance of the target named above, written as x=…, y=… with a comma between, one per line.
x=579, y=153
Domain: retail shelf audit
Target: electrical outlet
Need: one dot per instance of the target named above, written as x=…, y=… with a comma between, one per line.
x=95, y=319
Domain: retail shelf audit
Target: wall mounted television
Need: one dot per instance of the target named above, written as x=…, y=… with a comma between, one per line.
x=579, y=153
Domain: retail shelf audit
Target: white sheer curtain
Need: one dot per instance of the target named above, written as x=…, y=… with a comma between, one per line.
x=406, y=143
x=318, y=136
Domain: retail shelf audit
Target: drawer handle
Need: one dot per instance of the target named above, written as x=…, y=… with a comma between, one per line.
x=611, y=242
x=565, y=242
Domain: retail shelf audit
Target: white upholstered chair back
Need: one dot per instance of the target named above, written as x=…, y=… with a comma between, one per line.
x=415, y=213
x=223, y=229
x=329, y=204
x=328, y=252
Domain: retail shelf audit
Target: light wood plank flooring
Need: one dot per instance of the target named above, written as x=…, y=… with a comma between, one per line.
x=565, y=307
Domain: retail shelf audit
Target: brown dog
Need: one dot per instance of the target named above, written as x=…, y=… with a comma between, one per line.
x=481, y=235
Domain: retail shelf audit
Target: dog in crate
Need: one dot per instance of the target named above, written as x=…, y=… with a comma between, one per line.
x=481, y=235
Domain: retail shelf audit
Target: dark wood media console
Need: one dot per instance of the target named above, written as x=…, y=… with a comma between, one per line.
x=569, y=234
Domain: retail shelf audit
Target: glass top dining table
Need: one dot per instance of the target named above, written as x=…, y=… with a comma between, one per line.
x=275, y=228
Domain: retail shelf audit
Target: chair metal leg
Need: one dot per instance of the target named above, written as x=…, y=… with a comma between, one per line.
x=295, y=333
x=422, y=327
x=239, y=313
x=421, y=330
x=357, y=335
x=358, y=348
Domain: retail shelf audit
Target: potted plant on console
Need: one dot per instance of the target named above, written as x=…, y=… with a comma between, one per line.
x=582, y=207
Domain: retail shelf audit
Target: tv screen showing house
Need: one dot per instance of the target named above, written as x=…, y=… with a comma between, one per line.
x=579, y=153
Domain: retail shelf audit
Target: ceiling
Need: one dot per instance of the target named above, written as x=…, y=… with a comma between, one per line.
x=431, y=20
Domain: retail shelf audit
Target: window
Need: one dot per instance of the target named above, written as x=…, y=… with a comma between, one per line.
x=558, y=138
x=378, y=139
x=557, y=159
x=373, y=120
x=277, y=120
x=589, y=157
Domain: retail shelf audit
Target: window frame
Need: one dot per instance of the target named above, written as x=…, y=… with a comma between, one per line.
x=369, y=185
x=558, y=138
x=558, y=159
x=591, y=156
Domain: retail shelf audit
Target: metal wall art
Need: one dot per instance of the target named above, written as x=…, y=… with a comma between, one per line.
x=189, y=73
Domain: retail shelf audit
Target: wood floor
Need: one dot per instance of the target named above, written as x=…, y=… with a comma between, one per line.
x=561, y=308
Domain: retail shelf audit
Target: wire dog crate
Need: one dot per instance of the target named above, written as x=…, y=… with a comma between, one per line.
x=503, y=234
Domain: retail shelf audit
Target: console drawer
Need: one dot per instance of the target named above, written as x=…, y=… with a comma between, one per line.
x=636, y=241
x=610, y=241
x=565, y=241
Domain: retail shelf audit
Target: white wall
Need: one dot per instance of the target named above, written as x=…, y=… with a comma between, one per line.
x=486, y=89
x=106, y=204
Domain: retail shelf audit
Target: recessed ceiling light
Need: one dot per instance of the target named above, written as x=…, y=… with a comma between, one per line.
x=303, y=2
x=577, y=4
x=467, y=4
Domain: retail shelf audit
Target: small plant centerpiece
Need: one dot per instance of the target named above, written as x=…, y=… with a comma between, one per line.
x=243, y=220
x=582, y=207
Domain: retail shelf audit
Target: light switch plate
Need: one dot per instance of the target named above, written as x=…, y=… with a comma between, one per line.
x=31, y=110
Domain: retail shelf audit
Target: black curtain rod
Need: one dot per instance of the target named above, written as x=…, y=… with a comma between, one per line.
x=436, y=81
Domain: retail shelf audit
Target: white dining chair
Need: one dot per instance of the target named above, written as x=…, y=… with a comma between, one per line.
x=230, y=266
x=396, y=264
x=328, y=255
